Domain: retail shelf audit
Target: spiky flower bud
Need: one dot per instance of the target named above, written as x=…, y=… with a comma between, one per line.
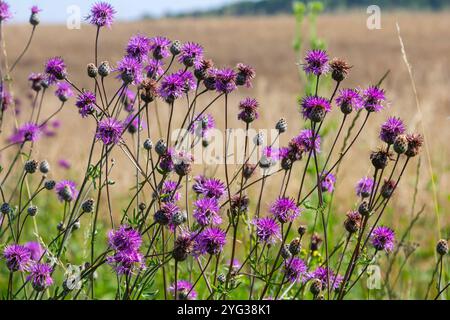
x=44, y=167
x=92, y=70
x=316, y=287
x=31, y=166
x=88, y=205
x=175, y=47
x=317, y=114
x=5, y=208
x=301, y=230
x=363, y=208
x=32, y=211
x=142, y=206
x=380, y=158
x=104, y=69
x=160, y=147
x=148, y=144
x=339, y=69
x=281, y=125
x=182, y=247
x=285, y=253
x=387, y=189
x=401, y=144
x=295, y=246
x=50, y=184
x=442, y=247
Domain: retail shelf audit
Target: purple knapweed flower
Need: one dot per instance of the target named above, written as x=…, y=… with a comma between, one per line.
x=5, y=14
x=35, y=10
x=203, y=124
x=27, y=132
x=392, y=128
x=130, y=70
x=245, y=75
x=36, y=250
x=191, y=54
x=154, y=68
x=160, y=47
x=185, y=290
x=316, y=62
x=373, y=99
x=312, y=104
x=349, y=99
x=125, y=238
x=383, y=238
x=17, y=257
x=109, y=130
x=206, y=211
x=285, y=209
x=248, y=110
x=169, y=191
x=102, y=14
x=327, y=182
x=197, y=187
x=36, y=80
x=267, y=230
x=210, y=241
x=225, y=80
x=188, y=79
x=364, y=187
x=212, y=188
x=166, y=162
x=55, y=68
x=64, y=163
x=85, y=103
x=294, y=269
x=172, y=87
x=269, y=156
x=6, y=98
x=134, y=123
x=63, y=91
x=138, y=47
x=126, y=262
x=321, y=274
x=305, y=139
x=40, y=276
x=66, y=190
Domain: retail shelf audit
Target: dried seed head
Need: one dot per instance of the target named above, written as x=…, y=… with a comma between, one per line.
x=295, y=246
x=281, y=125
x=88, y=205
x=401, y=144
x=50, y=184
x=415, y=142
x=31, y=166
x=353, y=221
x=380, y=158
x=387, y=189
x=104, y=69
x=160, y=147
x=44, y=167
x=248, y=170
x=32, y=211
x=442, y=247
x=92, y=70
x=183, y=247
x=148, y=89
x=339, y=69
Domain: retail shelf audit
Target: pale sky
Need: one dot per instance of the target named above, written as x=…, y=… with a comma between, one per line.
x=54, y=11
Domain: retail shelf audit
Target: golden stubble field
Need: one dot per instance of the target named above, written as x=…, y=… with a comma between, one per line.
x=265, y=43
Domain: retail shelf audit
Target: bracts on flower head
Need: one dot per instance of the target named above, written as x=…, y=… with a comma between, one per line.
x=339, y=69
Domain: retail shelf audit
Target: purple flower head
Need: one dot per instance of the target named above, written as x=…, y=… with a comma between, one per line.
x=321, y=274
x=185, y=290
x=109, y=130
x=172, y=87
x=245, y=75
x=383, y=238
x=169, y=191
x=373, y=99
x=364, y=187
x=270, y=155
x=392, y=128
x=36, y=80
x=210, y=241
x=138, y=47
x=294, y=269
x=40, y=276
x=349, y=98
x=130, y=70
x=102, y=14
x=249, y=110
x=55, y=68
x=191, y=55
x=212, y=188
x=17, y=257
x=225, y=80
x=203, y=125
x=63, y=163
x=165, y=215
x=154, y=68
x=285, y=209
x=160, y=47
x=36, y=250
x=6, y=98
x=35, y=10
x=328, y=180
x=166, y=162
x=305, y=139
x=197, y=187
x=66, y=190
x=134, y=123
x=63, y=91
x=5, y=14
x=188, y=79
x=206, y=211
x=316, y=62
x=267, y=230
x=27, y=132
x=125, y=238
x=310, y=103
x=86, y=103
x=126, y=262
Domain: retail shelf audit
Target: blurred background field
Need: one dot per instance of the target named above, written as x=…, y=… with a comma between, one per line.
x=265, y=42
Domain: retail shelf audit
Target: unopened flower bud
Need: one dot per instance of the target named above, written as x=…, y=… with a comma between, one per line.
x=32, y=211
x=31, y=166
x=44, y=167
x=104, y=69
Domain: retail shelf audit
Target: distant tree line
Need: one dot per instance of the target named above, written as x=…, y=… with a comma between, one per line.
x=273, y=7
